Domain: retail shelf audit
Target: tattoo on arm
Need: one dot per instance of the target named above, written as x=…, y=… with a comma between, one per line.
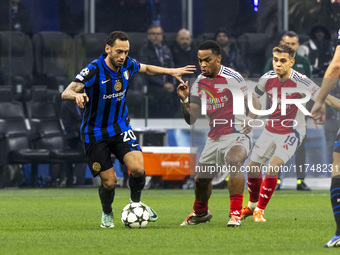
x=72, y=90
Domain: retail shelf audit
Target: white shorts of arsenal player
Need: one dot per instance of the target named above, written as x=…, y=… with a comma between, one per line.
x=280, y=145
x=216, y=150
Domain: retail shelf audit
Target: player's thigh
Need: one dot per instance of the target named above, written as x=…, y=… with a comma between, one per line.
x=208, y=155
x=98, y=156
x=286, y=145
x=127, y=150
x=264, y=148
x=135, y=162
x=237, y=151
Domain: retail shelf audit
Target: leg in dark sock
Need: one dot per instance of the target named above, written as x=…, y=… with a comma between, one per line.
x=136, y=186
x=106, y=198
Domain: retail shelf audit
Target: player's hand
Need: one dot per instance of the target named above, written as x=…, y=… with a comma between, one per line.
x=179, y=72
x=81, y=99
x=247, y=128
x=183, y=90
x=318, y=113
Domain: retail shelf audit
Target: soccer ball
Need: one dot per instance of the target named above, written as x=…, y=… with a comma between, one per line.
x=135, y=215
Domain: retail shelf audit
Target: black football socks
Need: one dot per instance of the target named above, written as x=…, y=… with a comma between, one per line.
x=335, y=200
x=136, y=186
x=106, y=198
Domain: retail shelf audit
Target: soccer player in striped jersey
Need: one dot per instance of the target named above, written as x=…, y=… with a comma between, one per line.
x=283, y=133
x=227, y=144
x=106, y=126
x=330, y=79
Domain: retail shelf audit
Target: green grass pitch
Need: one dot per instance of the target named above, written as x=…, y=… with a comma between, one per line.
x=67, y=221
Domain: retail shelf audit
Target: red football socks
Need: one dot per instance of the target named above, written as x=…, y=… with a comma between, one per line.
x=200, y=207
x=254, y=185
x=236, y=204
x=266, y=191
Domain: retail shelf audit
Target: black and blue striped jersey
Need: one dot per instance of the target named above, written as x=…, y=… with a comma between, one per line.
x=106, y=113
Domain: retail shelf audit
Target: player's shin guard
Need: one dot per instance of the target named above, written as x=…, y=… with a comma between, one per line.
x=136, y=186
x=236, y=204
x=335, y=200
x=200, y=207
x=106, y=198
x=254, y=185
x=266, y=191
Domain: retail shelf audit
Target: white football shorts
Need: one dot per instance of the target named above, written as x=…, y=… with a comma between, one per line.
x=270, y=144
x=216, y=150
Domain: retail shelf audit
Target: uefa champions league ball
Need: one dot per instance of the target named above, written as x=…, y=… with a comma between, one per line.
x=135, y=215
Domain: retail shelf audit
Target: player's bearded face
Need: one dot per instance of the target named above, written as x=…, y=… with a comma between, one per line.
x=282, y=64
x=210, y=63
x=118, y=53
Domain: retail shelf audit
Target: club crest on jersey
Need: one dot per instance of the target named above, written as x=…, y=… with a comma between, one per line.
x=118, y=86
x=126, y=75
x=84, y=72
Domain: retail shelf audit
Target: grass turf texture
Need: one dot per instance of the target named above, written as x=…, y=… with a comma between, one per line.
x=67, y=221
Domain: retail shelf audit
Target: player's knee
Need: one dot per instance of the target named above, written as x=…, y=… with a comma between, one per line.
x=202, y=181
x=234, y=162
x=110, y=184
x=137, y=171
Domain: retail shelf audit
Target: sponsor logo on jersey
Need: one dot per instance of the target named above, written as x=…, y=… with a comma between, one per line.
x=103, y=82
x=119, y=95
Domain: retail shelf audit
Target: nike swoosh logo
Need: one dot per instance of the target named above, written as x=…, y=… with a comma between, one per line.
x=134, y=145
x=105, y=81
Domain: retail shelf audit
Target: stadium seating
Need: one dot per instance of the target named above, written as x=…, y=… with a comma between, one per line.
x=88, y=47
x=47, y=130
x=17, y=70
x=54, y=59
x=14, y=142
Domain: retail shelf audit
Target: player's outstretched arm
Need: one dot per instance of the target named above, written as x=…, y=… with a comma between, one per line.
x=175, y=72
x=333, y=102
x=72, y=93
x=328, y=83
x=190, y=111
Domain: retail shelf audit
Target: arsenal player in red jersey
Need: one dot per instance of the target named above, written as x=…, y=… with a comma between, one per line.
x=284, y=131
x=228, y=142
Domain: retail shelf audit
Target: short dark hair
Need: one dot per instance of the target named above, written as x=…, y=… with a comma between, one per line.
x=154, y=26
x=291, y=34
x=210, y=45
x=116, y=35
x=284, y=48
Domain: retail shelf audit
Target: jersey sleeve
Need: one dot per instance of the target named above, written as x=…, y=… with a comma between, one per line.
x=305, y=82
x=260, y=87
x=88, y=75
x=133, y=66
x=243, y=85
x=194, y=97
